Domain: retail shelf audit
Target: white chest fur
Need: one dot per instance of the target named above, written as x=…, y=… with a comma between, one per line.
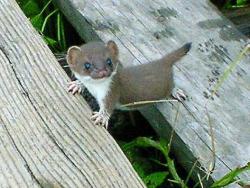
x=98, y=88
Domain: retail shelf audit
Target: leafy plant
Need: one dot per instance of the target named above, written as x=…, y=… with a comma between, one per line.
x=155, y=179
x=152, y=179
x=47, y=20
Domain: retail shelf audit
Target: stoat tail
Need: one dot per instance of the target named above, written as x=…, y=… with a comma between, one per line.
x=176, y=55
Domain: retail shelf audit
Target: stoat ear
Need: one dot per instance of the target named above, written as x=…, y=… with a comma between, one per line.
x=72, y=53
x=111, y=45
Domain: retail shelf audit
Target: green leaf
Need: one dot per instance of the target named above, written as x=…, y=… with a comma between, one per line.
x=139, y=168
x=144, y=142
x=21, y=3
x=230, y=177
x=241, y=2
x=31, y=8
x=51, y=42
x=147, y=142
x=142, y=165
x=155, y=179
x=60, y=32
x=37, y=22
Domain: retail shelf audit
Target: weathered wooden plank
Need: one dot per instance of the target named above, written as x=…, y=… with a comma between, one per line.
x=145, y=30
x=46, y=137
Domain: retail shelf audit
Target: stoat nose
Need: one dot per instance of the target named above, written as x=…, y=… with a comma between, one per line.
x=103, y=73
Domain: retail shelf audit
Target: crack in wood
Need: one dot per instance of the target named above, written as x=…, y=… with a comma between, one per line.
x=24, y=91
x=51, y=136
x=26, y=166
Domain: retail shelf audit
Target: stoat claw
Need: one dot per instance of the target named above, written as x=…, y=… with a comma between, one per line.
x=101, y=118
x=179, y=94
x=75, y=87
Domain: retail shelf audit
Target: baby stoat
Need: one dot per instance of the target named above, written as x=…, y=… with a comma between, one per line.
x=97, y=67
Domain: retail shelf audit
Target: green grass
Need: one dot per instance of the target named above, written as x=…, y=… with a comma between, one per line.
x=47, y=20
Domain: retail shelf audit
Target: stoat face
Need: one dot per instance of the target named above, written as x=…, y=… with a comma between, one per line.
x=94, y=61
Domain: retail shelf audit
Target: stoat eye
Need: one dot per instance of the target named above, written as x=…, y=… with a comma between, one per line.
x=109, y=62
x=87, y=65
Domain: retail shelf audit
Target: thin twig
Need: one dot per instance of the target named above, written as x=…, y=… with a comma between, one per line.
x=191, y=172
x=201, y=180
x=199, y=177
x=211, y=132
x=173, y=127
x=148, y=102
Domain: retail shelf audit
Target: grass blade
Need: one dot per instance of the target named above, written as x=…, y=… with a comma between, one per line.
x=47, y=18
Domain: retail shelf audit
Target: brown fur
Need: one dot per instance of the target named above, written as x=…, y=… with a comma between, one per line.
x=113, y=96
x=150, y=81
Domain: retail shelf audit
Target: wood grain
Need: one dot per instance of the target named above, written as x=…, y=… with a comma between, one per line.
x=46, y=136
x=145, y=30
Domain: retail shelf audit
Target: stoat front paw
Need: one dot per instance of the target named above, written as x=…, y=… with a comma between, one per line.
x=101, y=118
x=179, y=94
x=75, y=87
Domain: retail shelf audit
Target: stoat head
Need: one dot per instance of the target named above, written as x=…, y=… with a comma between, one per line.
x=94, y=60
